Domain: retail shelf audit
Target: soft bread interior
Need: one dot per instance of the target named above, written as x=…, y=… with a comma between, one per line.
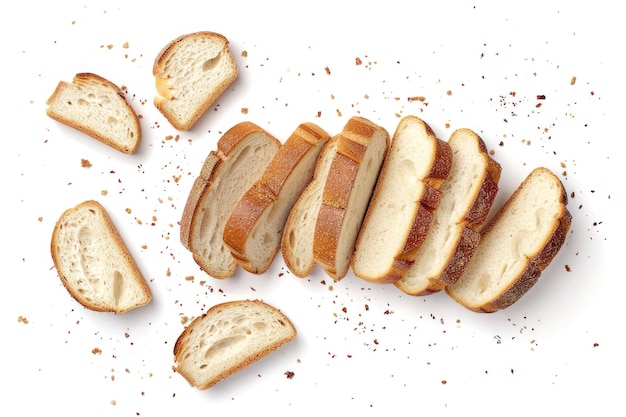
x=95, y=268
x=360, y=195
x=396, y=200
x=458, y=193
x=298, y=237
x=519, y=233
x=227, y=338
x=237, y=173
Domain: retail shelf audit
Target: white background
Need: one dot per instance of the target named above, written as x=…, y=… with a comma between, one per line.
x=361, y=348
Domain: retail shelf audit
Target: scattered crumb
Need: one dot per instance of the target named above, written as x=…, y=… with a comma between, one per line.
x=289, y=374
x=358, y=61
x=85, y=163
x=96, y=351
x=22, y=319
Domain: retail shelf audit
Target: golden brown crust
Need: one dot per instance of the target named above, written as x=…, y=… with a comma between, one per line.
x=535, y=263
x=266, y=191
x=88, y=77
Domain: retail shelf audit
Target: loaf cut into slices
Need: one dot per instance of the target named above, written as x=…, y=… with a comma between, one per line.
x=227, y=338
x=96, y=107
x=254, y=229
x=361, y=149
x=191, y=72
x=93, y=262
x=467, y=196
x=516, y=246
x=242, y=155
x=401, y=209
x=299, y=231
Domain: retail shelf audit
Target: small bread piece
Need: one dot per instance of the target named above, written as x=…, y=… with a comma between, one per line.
x=96, y=107
x=361, y=149
x=406, y=194
x=254, y=229
x=93, y=262
x=243, y=153
x=227, y=338
x=467, y=196
x=516, y=246
x=191, y=72
x=299, y=231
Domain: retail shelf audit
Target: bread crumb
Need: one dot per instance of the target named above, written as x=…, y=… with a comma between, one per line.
x=244, y=54
x=85, y=163
x=96, y=351
x=327, y=70
x=244, y=110
x=289, y=374
x=358, y=61
x=22, y=319
x=572, y=81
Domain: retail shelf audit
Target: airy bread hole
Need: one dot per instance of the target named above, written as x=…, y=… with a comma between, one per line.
x=221, y=346
x=118, y=286
x=210, y=64
x=112, y=120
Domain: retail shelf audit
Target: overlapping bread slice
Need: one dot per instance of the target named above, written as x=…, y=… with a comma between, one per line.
x=299, y=231
x=227, y=338
x=361, y=149
x=96, y=107
x=254, y=228
x=242, y=155
x=466, y=199
x=93, y=262
x=401, y=209
x=516, y=246
x=190, y=73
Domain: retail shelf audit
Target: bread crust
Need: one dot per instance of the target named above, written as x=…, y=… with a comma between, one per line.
x=352, y=145
x=536, y=262
x=118, y=245
x=211, y=170
x=263, y=195
x=85, y=78
x=426, y=203
x=163, y=81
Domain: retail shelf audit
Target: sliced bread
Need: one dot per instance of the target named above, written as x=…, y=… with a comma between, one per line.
x=93, y=262
x=96, y=107
x=227, y=338
x=254, y=228
x=243, y=153
x=361, y=149
x=467, y=196
x=191, y=72
x=299, y=231
x=401, y=209
x=519, y=242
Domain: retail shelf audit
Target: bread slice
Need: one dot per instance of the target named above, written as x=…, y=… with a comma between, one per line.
x=361, y=149
x=299, y=231
x=516, y=246
x=401, y=209
x=227, y=338
x=467, y=196
x=191, y=72
x=242, y=155
x=93, y=262
x=254, y=229
x=96, y=107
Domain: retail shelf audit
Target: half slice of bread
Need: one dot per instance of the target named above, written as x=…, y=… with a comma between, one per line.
x=191, y=72
x=227, y=338
x=516, y=246
x=254, y=229
x=243, y=153
x=299, y=232
x=401, y=209
x=361, y=149
x=96, y=107
x=93, y=262
x=467, y=196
